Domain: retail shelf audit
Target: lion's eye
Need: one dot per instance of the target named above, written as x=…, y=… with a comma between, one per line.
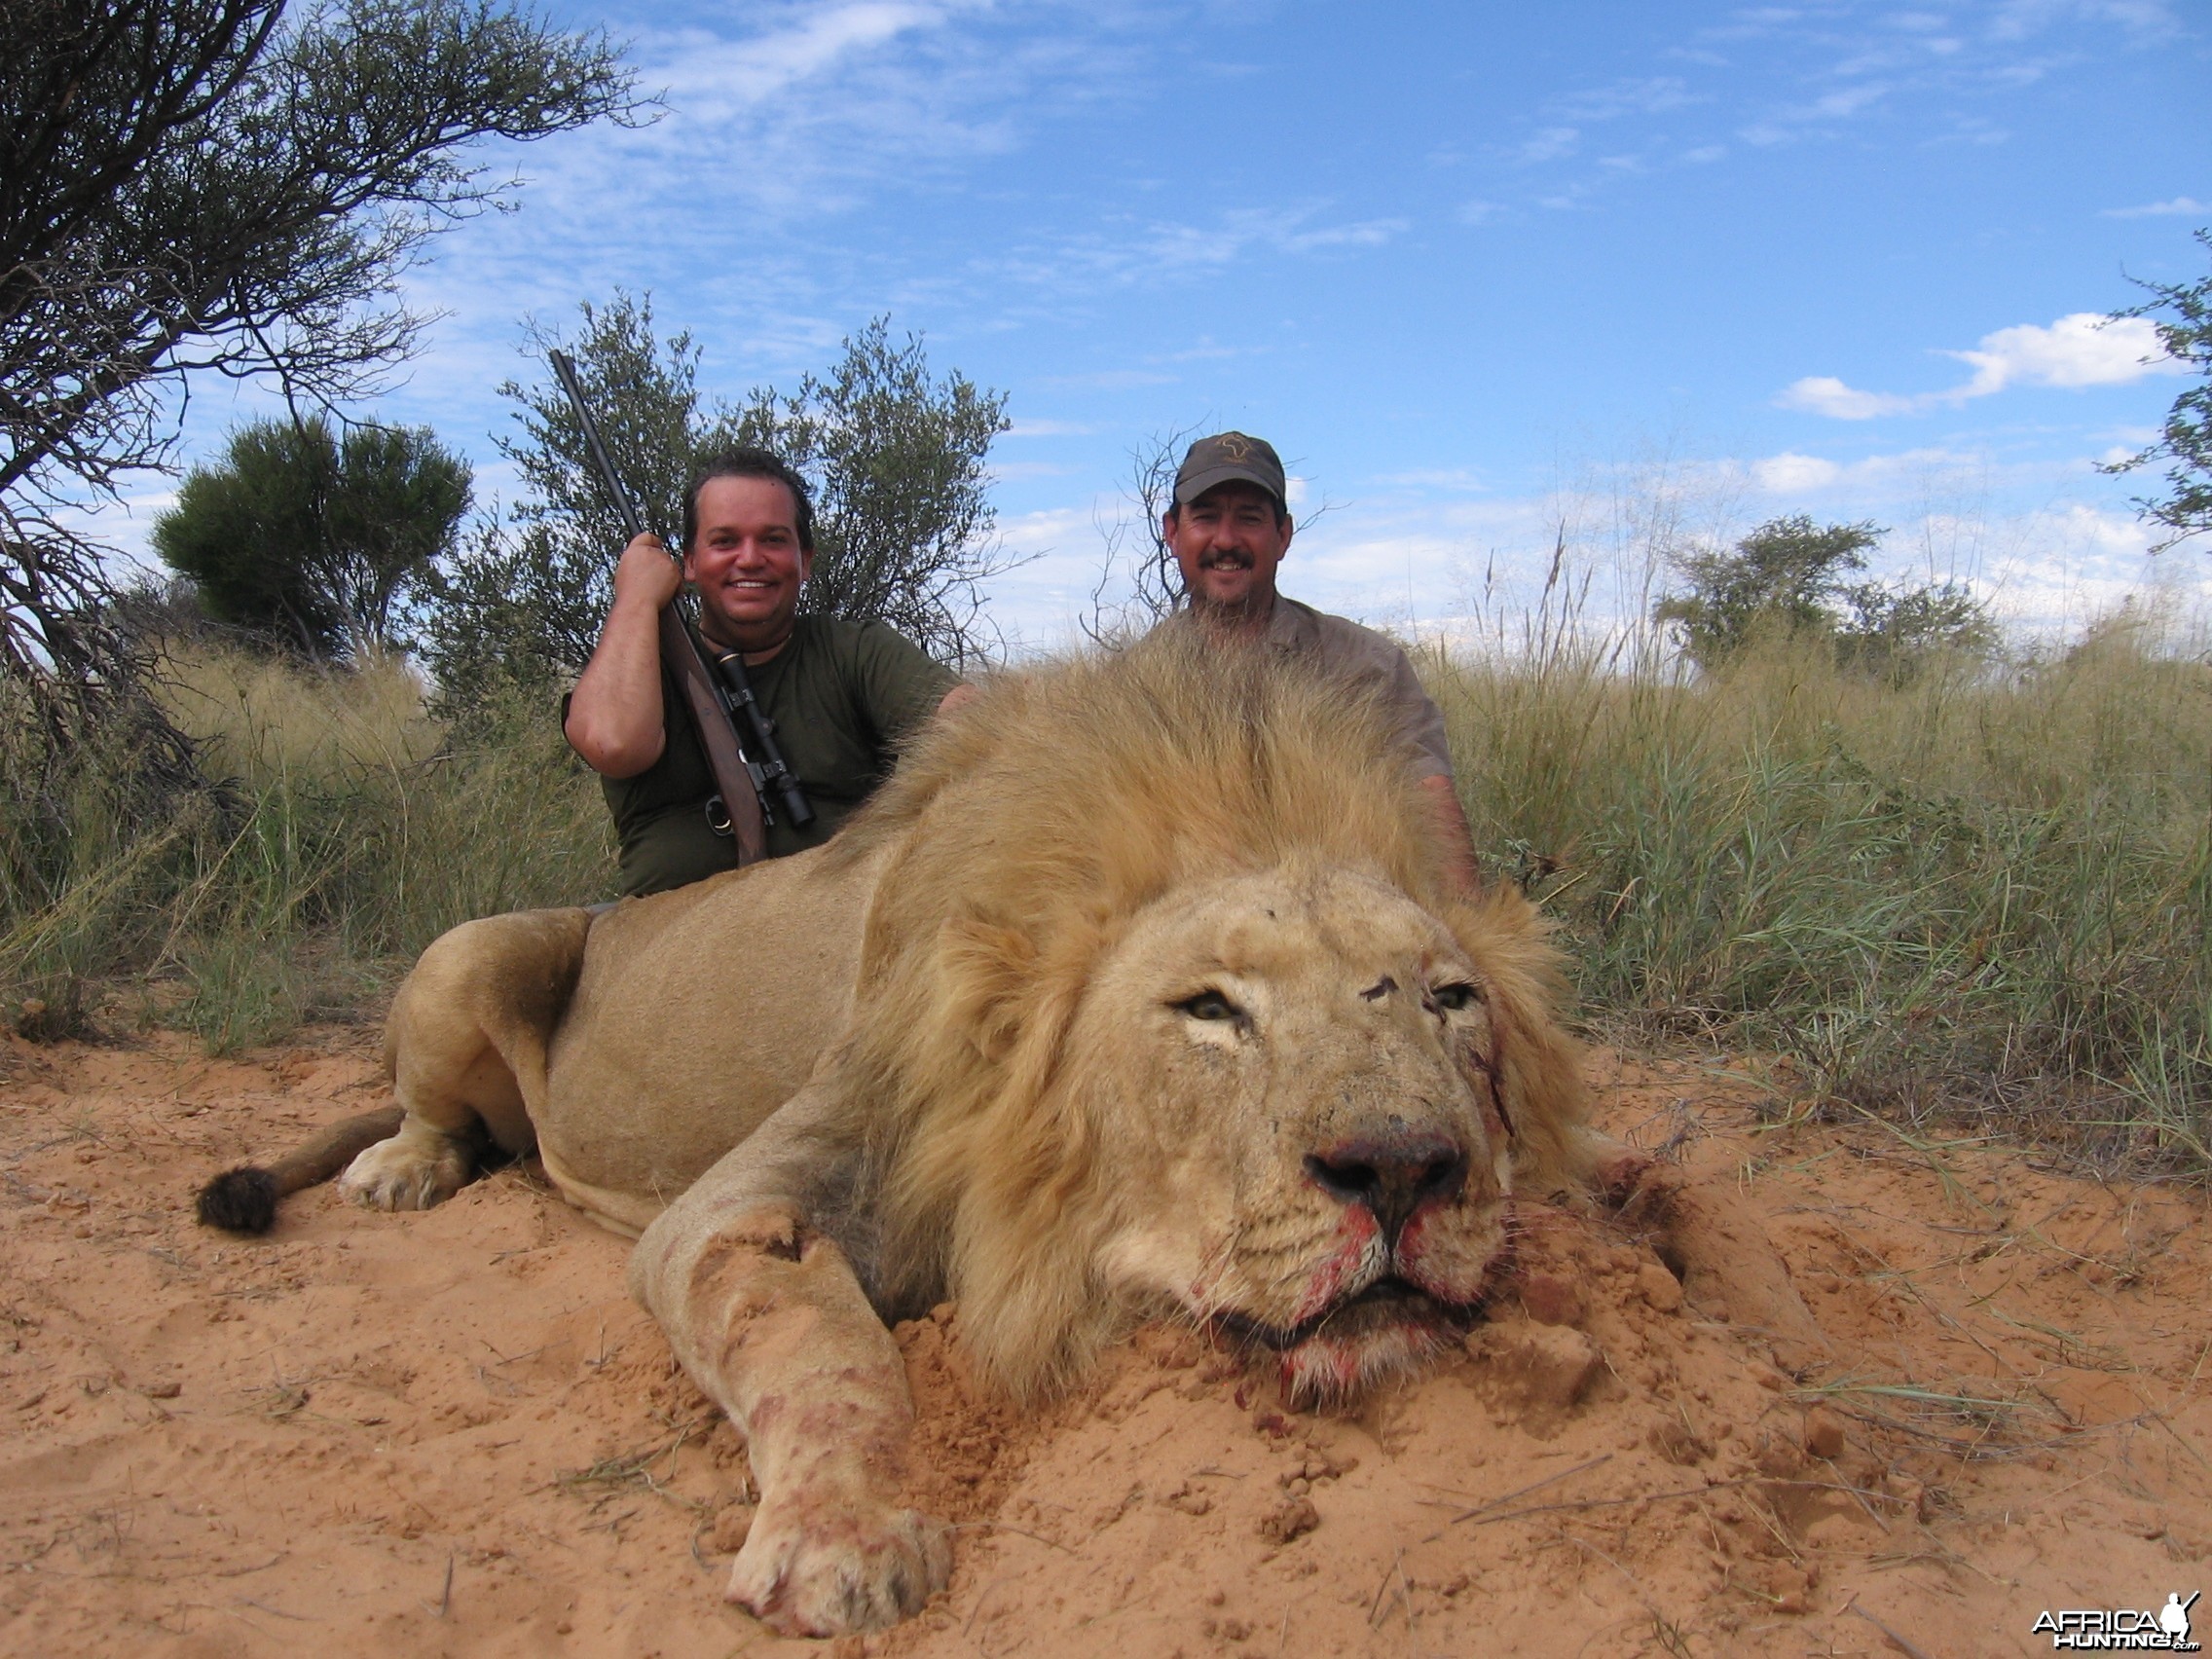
x=1456, y=997
x=1211, y=1005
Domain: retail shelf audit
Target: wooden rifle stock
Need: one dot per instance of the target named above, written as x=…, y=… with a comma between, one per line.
x=703, y=691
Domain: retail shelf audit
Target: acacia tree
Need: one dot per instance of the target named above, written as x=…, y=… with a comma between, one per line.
x=209, y=185
x=311, y=541
x=1792, y=576
x=2185, y=441
x=894, y=462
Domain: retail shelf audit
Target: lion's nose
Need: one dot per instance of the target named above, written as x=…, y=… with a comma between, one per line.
x=1393, y=1175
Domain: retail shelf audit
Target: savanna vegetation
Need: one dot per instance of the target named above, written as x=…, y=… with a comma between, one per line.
x=1984, y=888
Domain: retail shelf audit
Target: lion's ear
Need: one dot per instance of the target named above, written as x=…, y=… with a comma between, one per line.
x=987, y=968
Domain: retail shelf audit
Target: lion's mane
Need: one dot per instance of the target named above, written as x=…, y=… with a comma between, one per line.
x=1030, y=828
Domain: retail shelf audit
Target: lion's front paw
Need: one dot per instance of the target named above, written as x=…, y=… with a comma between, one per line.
x=816, y=1568
x=416, y=1168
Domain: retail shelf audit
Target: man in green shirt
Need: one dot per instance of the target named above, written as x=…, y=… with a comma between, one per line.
x=841, y=694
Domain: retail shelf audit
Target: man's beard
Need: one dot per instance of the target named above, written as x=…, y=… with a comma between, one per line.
x=1253, y=608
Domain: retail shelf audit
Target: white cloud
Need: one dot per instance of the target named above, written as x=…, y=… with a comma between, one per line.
x=2084, y=349
x=1791, y=473
x=2048, y=574
x=1166, y=249
x=1367, y=233
x=1904, y=475
x=1824, y=395
x=1844, y=101
x=1648, y=95
x=711, y=77
x=2081, y=350
x=1010, y=471
x=1458, y=480
x=2016, y=20
x=1111, y=380
x=2180, y=206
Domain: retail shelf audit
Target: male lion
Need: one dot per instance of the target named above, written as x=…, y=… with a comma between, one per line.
x=1137, y=991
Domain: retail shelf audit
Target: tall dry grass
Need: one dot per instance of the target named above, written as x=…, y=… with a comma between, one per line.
x=1982, y=889
x=1986, y=891
x=350, y=831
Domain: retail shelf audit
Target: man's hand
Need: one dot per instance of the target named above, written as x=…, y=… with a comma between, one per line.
x=645, y=574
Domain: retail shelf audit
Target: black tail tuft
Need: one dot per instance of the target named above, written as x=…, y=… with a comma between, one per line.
x=241, y=1200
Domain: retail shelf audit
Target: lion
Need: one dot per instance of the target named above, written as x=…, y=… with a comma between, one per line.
x=1138, y=991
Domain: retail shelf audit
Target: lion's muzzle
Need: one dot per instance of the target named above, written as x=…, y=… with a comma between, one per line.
x=1392, y=1175
x=1417, y=1228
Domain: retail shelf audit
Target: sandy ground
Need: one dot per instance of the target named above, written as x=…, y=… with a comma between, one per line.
x=453, y=1433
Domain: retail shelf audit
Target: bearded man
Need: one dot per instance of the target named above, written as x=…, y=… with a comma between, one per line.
x=1228, y=527
x=843, y=694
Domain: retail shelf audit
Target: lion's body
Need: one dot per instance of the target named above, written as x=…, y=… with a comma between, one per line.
x=697, y=1014
x=1136, y=991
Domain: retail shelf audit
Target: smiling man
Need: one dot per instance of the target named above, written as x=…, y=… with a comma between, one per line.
x=841, y=694
x=1229, y=528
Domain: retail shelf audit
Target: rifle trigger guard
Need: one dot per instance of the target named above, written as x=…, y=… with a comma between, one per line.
x=718, y=817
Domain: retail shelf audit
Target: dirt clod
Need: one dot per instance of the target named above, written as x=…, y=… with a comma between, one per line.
x=731, y=1527
x=1659, y=1287
x=1553, y=1364
x=1823, y=1432
x=1292, y=1518
x=1551, y=1299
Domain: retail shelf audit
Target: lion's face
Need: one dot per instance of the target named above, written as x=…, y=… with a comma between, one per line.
x=1308, y=1148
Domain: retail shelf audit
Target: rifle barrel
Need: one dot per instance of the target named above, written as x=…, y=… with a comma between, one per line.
x=565, y=367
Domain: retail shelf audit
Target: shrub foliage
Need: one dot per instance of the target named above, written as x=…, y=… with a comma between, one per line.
x=309, y=540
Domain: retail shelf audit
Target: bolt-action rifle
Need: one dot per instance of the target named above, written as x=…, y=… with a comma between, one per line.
x=737, y=734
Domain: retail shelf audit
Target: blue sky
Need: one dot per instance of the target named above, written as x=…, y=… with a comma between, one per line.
x=1478, y=271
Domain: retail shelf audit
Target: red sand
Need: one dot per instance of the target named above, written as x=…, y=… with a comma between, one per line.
x=453, y=1434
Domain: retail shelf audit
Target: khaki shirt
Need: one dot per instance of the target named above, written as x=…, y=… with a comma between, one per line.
x=1365, y=658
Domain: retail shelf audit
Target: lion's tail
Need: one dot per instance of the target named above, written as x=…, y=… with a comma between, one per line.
x=244, y=1199
x=465, y=1049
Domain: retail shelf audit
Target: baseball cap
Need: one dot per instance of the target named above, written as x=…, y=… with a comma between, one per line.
x=1228, y=456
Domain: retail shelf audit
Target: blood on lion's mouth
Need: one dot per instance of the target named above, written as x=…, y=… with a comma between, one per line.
x=1389, y=1303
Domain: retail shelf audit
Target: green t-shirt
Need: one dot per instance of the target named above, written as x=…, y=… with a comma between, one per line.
x=841, y=694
